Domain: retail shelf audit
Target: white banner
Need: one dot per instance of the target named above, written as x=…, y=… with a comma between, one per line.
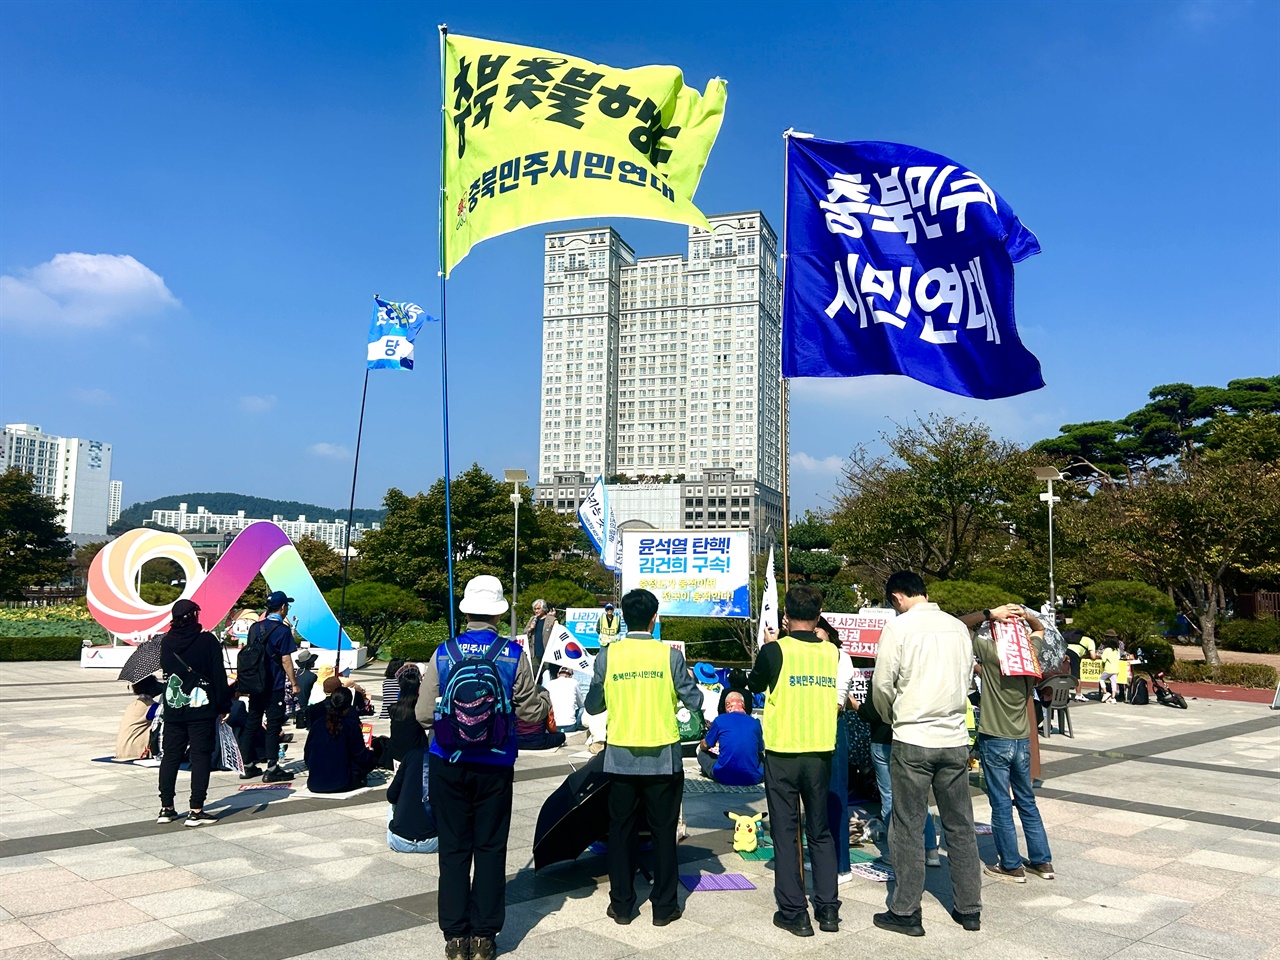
x=860, y=632
x=768, y=603
x=693, y=574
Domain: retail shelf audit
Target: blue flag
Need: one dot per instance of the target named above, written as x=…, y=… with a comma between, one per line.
x=392, y=331
x=901, y=261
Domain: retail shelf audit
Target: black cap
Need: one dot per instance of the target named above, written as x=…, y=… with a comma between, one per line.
x=185, y=608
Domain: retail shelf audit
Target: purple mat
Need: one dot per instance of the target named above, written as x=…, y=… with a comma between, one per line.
x=716, y=881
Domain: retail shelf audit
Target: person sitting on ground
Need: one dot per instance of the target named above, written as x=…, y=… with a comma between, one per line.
x=390, y=686
x=531, y=735
x=737, y=684
x=740, y=742
x=411, y=826
x=337, y=759
x=406, y=732
x=566, y=700
x=133, y=737
x=305, y=677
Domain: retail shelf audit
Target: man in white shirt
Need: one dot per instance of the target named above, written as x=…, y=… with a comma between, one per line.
x=566, y=700
x=924, y=666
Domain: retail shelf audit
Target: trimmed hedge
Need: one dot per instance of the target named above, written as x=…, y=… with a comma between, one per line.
x=1257, y=675
x=79, y=629
x=1250, y=636
x=39, y=648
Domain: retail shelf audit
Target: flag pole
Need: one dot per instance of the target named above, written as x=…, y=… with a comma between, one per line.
x=351, y=512
x=444, y=343
x=784, y=412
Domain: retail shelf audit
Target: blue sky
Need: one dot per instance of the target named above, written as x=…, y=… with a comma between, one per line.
x=268, y=167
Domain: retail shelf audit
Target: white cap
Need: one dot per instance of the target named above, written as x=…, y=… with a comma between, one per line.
x=483, y=597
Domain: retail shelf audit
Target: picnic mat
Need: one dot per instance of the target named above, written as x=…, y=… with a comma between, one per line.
x=873, y=871
x=982, y=829
x=147, y=762
x=715, y=881
x=693, y=785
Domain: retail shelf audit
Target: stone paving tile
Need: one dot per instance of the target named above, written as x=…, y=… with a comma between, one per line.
x=173, y=903
x=225, y=921
x=33, y=951
x=120, y=942
x=15, y=933
x=76, y=893
x=1202, y=942
x=321, y=900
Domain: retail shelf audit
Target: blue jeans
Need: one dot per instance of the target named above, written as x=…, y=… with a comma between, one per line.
x=838, y=796
x=880, y=753
x=401, y=845
x=1006, y=768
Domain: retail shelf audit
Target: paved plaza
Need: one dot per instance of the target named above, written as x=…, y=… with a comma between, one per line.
x=1164, y=824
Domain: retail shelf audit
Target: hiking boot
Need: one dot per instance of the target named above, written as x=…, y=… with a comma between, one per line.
x=251, y=772
x=1016, y=875
x=828, y=918
x=459, y=948
x=167, y=815
x=617, y=917
x=931, y=858
x=671, y=917
x=276, y=775
x=1042, y=870
x=800, y=927
x=970, y=921
x=198, y=818
x=909, y=926
x=483, y=948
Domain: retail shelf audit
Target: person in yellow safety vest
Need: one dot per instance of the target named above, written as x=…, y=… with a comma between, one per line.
x=608, y=626
x=642, y=682
x=797, y=675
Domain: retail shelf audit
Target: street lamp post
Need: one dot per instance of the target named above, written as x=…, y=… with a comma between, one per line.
x=1050, y=474
x=515, y=478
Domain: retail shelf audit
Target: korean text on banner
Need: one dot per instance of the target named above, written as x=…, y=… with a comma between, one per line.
x=1013, y=647
x=768, y=603
x=900, y=261
x=860, y=632
x=392, y=332
x=601, y=526
x=533, y=136
x=692, y=575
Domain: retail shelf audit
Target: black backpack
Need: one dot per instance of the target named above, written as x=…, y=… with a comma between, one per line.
x=253, y=673
x=1138, y=694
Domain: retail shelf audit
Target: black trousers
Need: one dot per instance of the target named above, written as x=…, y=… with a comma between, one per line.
x=659, y=797
x=789, y=782
x=472, y=804
x=178, y=736
x=271, y=706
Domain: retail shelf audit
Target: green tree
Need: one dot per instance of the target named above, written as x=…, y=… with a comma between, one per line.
x=561, y=594
x=1133, y=610
x=378, y=609
x=254, y=596
x=324, y=563
x=34, y=550
x=82, y=559
x=958, y=597
x=159, y=594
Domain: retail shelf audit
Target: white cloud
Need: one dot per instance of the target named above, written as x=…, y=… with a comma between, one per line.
x=94, y=396
x=810, y=464
x=253, y=404
x=83, y=290
x=331, y=451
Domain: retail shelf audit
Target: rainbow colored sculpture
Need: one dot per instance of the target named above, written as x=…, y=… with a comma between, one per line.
x=260, y=548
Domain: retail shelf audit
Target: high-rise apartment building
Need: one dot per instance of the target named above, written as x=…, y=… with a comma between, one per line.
x=332, y=533
x=71, y=470
x=666, y=365
x=114, y=499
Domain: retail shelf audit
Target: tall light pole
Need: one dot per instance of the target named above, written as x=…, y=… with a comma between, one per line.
x=515, y=478
x=1050, y=474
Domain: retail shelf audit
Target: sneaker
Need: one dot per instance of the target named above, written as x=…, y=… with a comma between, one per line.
x=1016, y=875
x=909, y=926
x=167, y=815
x=276, y=775
x=800, y=927
x=885, y=859
x=931, y=858
x=844, y=877
x=459, y=948
x=200, y=819
x=483, y=948
x=620, y=918
x=829, y=917
x=251, y=772
x=671, y=917
x=1042, y=870
x=970, y=921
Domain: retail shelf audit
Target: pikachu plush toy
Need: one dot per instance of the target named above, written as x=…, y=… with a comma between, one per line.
x=746, y=828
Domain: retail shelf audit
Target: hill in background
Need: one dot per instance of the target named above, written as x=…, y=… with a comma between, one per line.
x=257, y=507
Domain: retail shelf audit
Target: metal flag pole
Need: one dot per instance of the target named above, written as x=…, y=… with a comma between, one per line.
x=351, y=512
x=444, y=341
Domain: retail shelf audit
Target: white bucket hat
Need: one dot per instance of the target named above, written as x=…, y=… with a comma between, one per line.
x=483, y=597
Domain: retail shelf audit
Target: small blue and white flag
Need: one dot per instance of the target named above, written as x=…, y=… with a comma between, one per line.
x=601, y=525
x=900, y=261
x=768, y=604
x=392, y=331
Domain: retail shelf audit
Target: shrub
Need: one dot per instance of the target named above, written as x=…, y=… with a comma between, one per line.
x=1158, y=653
x=417, y=640
x=158, y=594
x=39, y=648
x=959, y=597
x=80, y=629
x=1257, y=675
x=1133, y=610
x=1250, y=636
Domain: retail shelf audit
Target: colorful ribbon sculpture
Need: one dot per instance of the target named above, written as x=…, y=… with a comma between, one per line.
x=260, y=548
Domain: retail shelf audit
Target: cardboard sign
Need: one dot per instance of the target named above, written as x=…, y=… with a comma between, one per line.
x=1013, y=647
x=860, y=632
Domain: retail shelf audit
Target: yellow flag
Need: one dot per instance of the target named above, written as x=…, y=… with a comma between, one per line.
x=533, y=136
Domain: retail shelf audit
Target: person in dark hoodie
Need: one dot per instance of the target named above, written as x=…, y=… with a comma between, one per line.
x=195, y=696
x=337, y=759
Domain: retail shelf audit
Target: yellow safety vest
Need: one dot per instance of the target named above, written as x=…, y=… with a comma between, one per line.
x=799, y=712
x=640, y=694
x=606, y=631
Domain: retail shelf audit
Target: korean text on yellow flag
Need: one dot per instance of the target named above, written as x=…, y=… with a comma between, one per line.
x=533, y=136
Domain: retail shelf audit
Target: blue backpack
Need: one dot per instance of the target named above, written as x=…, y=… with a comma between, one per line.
x=474, y=715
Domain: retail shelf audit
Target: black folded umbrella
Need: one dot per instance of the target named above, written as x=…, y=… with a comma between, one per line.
x=142, y=663
x=575, y=816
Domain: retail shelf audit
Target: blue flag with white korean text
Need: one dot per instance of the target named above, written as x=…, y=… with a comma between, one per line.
x=900, y=261
x=392, y=331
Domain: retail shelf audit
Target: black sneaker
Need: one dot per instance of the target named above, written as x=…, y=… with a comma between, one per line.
x=800, y=927
x=251, y=772
x=276, y=775
x=828, y=919
x=910, y=926
x=200, y=819
x=483, y=948
x=671, y=917
x=459, y=948
x=167, y=815
x=970, y=921
x=617, y=917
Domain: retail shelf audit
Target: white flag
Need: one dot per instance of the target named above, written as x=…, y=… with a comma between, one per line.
x=601, y=525
x=768, y=602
